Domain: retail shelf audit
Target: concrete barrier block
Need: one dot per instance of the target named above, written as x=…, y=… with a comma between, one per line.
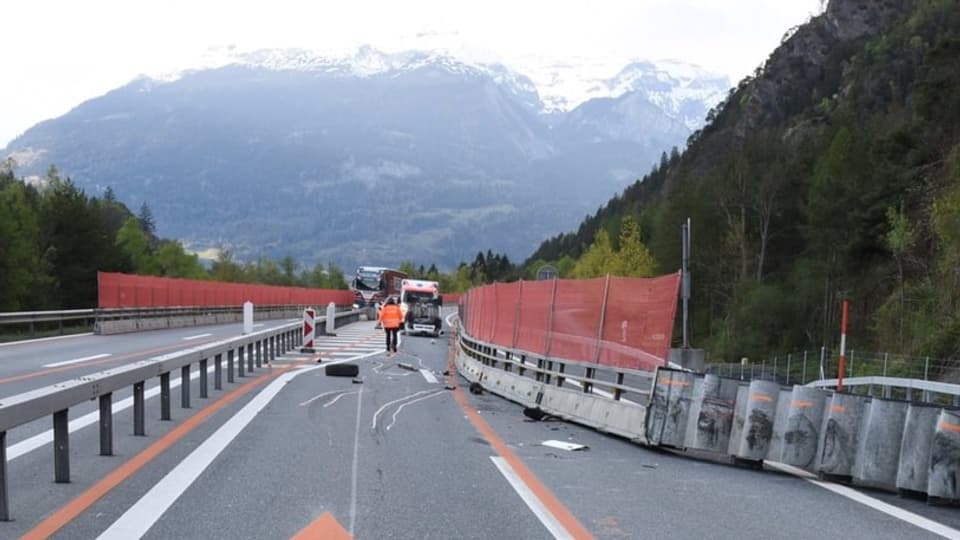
x=739, y=418
x=918, y=431
x=801, y=434
x=944, y=479
x=711, y=416
x=878, y=451
x=837, y=450
x=760, y=413
x=669, y=408
x=779, y=425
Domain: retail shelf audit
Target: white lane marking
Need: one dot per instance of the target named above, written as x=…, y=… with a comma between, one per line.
x=354, y=467
x=28, y=445
x=878, y=505
x=198, y=336
x=318, y=396
x=428, y=375
x=140, y=517
x=78, y=360
x=336, y=399
x=548, y=520
x=41, y=340
x=389, y=403
x=393, y=420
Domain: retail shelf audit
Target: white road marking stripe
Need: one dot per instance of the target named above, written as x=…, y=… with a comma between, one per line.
x=428, y=375
x=40, y=340
x=318, y=396
x=140, y=517
x=198, y=336
x=878, y=505
x=393, y=420
x=78, y=360
x=389, y=403
x=336, y=399
x=354, y=468
x=548, y=520
x=345, y=353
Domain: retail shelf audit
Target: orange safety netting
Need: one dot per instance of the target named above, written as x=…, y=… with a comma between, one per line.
x=125, y=291
x=615, y=321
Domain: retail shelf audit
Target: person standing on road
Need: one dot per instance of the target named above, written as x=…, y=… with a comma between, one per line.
x=391, y=317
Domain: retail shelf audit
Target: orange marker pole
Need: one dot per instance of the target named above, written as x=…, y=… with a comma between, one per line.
x=842, y=365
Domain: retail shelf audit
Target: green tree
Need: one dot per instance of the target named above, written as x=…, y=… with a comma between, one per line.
x=135, y=245
x=225, y=268
x=19, y=256
x=900, y=240
x=599, y=259
x=633, y=259
x=174, y=261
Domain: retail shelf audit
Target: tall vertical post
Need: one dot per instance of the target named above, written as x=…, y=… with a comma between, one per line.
x=4, y=499
x=139, y=414
x=61, y=448
x=685, y=281
x=843, y=346
x=106, y=424
x=516, y=316
x=603, y=314
x=553, y=300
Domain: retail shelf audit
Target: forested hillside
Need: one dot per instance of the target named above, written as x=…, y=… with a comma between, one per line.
x=833, y=172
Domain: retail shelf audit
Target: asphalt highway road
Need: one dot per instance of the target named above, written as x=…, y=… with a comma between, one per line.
x=289, y=450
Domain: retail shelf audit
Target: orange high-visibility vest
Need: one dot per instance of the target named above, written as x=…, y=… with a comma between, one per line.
x=391, y=316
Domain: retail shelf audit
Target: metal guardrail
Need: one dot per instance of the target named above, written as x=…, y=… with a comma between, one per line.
x=889, y=383
x=250, y=351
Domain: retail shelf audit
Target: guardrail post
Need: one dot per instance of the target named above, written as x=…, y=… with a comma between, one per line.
x=523, y=360
x=165, y=396
x=218, y=371
x=185, y=387
x=617, y=392
x=241, y=363
x=539, y=376
x=250, y=358
x=230, y=366
x=273, y=349
x=260, y=347
x=106, y=424
x=560, y=378
x=4, y=500
x=61, y=448
x=203, y=378
x=139, y=420
x=587, y=385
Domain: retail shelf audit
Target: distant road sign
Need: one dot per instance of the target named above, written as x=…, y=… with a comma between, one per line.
x=547, y=272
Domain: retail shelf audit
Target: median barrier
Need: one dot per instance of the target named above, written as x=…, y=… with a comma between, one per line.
x=801, y=434
x=761, y=409
x=945, y=457
x=711, y=414
x=918, y=431
x=840, y=438
x=878, y=451
x=670, y=408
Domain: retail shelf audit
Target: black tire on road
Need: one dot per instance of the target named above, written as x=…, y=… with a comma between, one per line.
x=342, y=370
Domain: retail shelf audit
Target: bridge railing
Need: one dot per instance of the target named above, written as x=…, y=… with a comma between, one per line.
x=243, y=354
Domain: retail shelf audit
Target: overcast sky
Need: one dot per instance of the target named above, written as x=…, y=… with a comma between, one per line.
x=55, y=54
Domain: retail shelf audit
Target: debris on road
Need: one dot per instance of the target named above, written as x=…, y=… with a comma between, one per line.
x=562, y=445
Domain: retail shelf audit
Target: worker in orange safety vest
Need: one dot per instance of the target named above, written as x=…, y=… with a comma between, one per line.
x=391, y=317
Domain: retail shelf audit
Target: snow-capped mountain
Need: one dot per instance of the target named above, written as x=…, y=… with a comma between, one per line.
x=250, y=149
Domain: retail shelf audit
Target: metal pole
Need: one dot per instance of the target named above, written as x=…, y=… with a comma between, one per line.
x=516, y=316
x=823, y=358
x=203, y=378
x=106, y=424
x=4, y=499
x=185, y=386
x=259, y=356
x=603, y=313
x=843, y=346
x=685, y=280
x=61, y=448
x=789, y=355
x=803, y=372
x=250, y=357
x=165, y=396
x=553, y=299
x=886, y=356
x=218, y=371
x=241, y=364
x=139, y=416
x=230, y=366
x=926, y=371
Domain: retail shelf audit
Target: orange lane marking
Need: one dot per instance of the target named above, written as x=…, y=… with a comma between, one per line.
x=949, y=427
x=671, y=382
x=326, y=527
x=760, y=397
x=838, y=408
x=801, y=403
x=85, y=500
x=81, y=365
x=559, y=511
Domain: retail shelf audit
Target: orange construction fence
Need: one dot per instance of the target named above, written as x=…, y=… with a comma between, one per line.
x=129, y=291
x=612, y=321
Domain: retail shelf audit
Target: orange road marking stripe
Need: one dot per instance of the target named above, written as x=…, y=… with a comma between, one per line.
x=671, y=382
x=838, y=408
x=949, y=427
x=85, y=500
x=107, y=360
x=801, y=403
x=760, y=397
x=326, y=527
x=557, y=508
